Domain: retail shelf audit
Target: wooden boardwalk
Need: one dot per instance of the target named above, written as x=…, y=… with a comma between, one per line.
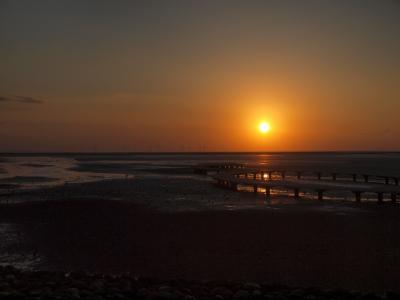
x=232, y=176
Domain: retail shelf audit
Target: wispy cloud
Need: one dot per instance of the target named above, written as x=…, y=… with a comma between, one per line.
x=21, y=99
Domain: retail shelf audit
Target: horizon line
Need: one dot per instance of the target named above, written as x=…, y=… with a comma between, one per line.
x=9, y=153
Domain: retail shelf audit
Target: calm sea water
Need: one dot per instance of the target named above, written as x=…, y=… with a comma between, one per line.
x=43, y=170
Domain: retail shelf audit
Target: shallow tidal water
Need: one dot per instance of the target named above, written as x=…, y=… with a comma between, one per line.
x=54, y=169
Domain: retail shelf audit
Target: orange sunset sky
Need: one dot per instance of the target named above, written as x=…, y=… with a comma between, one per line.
x=199, y=75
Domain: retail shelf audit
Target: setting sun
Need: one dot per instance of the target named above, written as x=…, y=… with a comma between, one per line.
x=264, y=127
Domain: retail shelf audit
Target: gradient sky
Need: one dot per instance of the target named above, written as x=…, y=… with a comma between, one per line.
x=199, y=75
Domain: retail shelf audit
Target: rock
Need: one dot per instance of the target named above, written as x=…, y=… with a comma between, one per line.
x=42, y=285
x=165, y=288
x=143, y=292
x=275, y=297
x=241, y=295
x=186, y=290
x=97, y=284
x=161, y=296
x=50, y=283
x=297, y=294
x=199, y=291
x=251, y=286
x=35, y=293
x=73, y=292
x=222, y=291
x=5, y=295
x=86, y=293
x=370, y=296
x=114, y=296
x=10, y=277
x=391, y=295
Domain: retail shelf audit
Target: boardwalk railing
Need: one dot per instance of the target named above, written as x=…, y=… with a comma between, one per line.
x=232, y=175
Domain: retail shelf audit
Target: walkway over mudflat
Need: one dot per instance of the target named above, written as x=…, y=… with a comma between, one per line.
x=232, y=175
x=260, y=171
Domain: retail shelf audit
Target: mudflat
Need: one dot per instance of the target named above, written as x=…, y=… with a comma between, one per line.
x=354, y=247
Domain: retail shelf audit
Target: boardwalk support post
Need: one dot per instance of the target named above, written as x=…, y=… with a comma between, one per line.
x=267, y=191
x=296, y=193
x=234, y=186
x=380, y=197
x=358, y=196
x=320, y=195
x=354, y=177
x=393, y=196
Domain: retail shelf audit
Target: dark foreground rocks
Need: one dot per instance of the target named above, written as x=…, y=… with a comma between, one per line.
x=16, y=284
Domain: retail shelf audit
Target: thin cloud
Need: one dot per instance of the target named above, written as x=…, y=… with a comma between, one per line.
x=21, y=99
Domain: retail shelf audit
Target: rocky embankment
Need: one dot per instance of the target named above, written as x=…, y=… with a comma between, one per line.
x=16, y=284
